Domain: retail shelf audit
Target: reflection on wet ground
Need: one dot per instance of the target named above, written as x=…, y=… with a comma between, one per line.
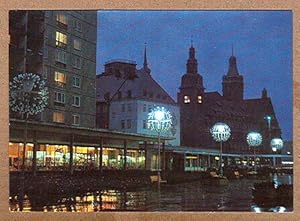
x=193, y=196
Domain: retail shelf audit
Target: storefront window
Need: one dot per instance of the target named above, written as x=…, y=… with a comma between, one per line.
x=16, y=154
x=85, y=158
x=52, y=157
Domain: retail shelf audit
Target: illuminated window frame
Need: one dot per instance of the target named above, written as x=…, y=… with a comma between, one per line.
x=186, y=99
x=61, y=39
x=199, y=99
x=59, y=77
x=58, y=117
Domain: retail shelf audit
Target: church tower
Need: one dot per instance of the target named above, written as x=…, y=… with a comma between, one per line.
x=191, y=99
x=233, y=84
x=191, y=89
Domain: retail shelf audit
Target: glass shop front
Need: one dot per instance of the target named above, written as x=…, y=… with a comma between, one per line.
x=57, y=157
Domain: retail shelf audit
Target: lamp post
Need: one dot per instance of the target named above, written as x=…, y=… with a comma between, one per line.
x=268, y=118
x=28, y=95
x=159, y=120
x=220, y=133
x=276, y=144
x=254, y=140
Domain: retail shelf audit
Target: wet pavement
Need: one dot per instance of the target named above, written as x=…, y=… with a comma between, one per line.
x=192, y=196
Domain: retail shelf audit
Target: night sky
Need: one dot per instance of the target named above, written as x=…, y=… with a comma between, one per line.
x=262, y=42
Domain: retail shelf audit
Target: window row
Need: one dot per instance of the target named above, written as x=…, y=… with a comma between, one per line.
x=62, y=21
x=61, y=57
x=61, y=41
x=60, y=98
x=187, y=99
x=60, y=78
x=59, y=117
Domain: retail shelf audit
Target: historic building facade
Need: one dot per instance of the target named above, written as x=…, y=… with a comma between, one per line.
x=125, y=96
x=61, y=47
x=199, y=110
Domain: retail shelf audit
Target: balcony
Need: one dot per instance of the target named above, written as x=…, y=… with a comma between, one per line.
x=60, y=84
x=60, y=64
x=61, y=25
x=60, y=44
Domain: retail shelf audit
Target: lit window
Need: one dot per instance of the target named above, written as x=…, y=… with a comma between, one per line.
x=76, y=82
x=77, y=44
x=59, y=77
x=76, y=119
x=61, y=40
x=61, y=18
x=199, y=99
x=60, y=56
x=186, y=99
x=59, y=97
x=77, y=62
x=128, y=124
x=76, y=101
x=58, y=117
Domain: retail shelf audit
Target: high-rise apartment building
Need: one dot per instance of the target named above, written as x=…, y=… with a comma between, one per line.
x=61, y=47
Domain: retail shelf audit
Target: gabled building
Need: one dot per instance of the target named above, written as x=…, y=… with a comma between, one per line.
x=200, y=110
x=125, y=95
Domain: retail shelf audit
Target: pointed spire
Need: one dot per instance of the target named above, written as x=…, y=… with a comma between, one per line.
x=145, y=57
x=192, y=65
x=264, y=93
x=192, y=42
x=232, y=70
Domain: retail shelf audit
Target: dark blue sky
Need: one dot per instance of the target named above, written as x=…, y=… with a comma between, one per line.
x=262, y=44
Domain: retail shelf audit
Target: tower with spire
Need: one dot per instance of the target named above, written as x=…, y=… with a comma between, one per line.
x=233, y=83
x=191, y=99
x=145, y=65
x=192, y=81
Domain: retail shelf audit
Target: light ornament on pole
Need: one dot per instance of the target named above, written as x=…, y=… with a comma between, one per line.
x=221, y=133
x=159, y=119
x=276, y=144
x=254, y=139
x=28, y=94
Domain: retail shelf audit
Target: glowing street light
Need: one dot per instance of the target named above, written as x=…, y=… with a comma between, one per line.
x=254, y=139
x=276, y=144
x=159, y=120
x=220, y=133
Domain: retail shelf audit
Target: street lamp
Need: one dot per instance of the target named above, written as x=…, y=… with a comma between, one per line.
x=159, y=120
x=220, y=133
x=28, y=96
x=276, y=144
x=254, y=139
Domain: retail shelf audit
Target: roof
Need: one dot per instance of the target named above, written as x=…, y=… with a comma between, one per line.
x=144, y=87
